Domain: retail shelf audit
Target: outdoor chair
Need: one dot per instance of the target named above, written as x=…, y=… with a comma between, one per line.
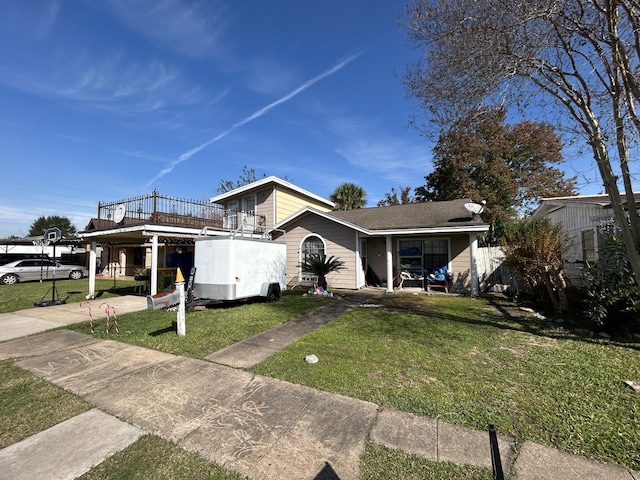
x=438, y=278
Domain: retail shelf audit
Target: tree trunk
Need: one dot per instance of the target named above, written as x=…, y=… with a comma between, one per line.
x=609, y=180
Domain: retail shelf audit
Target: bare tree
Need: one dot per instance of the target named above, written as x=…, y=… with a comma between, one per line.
x=575, y=61
x=392, y=198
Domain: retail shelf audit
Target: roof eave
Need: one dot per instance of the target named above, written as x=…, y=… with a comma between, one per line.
x=433, y=230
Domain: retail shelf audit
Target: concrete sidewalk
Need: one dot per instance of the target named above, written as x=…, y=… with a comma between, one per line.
x=261, y=427
x=39, y=319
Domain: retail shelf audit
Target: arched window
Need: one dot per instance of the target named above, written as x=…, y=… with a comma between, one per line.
x=312, y=245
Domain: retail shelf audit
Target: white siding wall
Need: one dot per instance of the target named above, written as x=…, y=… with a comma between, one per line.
x=574, y=220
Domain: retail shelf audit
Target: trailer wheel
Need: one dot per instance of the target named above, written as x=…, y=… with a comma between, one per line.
x=273, y=294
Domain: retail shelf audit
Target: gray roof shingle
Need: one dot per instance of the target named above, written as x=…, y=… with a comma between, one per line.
x=411, y=215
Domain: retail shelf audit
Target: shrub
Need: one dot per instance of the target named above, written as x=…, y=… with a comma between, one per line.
x=613, y=299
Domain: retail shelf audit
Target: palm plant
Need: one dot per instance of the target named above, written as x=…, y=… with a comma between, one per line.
x=348, y=196
x=321, y=266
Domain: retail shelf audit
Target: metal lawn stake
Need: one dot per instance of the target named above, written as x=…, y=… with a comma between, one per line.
x=181, y=326
x=90, y=315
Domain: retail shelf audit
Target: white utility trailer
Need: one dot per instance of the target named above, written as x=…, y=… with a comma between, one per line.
x=235, y=268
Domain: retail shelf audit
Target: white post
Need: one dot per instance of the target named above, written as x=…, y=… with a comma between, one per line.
x=473, y=250
x=358, y=259
x=389, y=263
x=154, y=265
x=92, y=271
x=182, y=328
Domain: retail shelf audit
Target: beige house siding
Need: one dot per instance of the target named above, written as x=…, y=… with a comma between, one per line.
x=460, y=261
x=339, y=242
x=265, y=205
x=289, y=202
x=276, y=203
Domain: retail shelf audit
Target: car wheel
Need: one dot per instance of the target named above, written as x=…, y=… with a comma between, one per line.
x=9, y=279
x=75, y=275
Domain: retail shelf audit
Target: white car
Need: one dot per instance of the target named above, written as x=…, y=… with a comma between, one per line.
x=39, y=269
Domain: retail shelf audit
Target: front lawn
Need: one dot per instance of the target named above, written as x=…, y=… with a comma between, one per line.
x=464, y=361
x=23, y=295
x=467, y=361
x=206, y=331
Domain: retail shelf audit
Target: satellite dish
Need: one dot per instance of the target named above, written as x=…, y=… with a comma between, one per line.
x=119, y=214
x=475, y=208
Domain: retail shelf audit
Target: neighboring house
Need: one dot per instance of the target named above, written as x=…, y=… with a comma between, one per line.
x=376, y=244
x=580, y=217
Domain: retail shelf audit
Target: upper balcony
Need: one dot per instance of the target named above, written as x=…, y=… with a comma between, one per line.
x=160, y=209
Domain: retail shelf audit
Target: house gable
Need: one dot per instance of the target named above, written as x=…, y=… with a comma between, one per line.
x=275, y=199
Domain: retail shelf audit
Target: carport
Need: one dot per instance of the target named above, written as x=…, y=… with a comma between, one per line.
x=150, y=220
x=142, y=235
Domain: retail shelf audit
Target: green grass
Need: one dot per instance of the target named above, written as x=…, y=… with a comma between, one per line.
x=379, y=462
x=23, y=295
x=152, y=458
x=463, y=361
x=206, y=331
x=30, y=405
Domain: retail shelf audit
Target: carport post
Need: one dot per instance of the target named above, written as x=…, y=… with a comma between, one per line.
x=154, y=265
x=389, y=264
x=92, y=271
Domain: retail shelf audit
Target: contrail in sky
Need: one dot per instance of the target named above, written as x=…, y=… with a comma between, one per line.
x=257, y=114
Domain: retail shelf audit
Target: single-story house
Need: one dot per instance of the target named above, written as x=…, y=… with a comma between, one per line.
x=379, y=245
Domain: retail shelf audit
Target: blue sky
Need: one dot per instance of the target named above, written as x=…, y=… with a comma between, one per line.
x=111, y=99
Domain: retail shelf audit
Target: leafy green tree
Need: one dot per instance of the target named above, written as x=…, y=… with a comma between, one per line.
x=392, y=198
x=348, y=196
x=41, y=224
x=572, y=62
x=321, y=266
x=511, y=167
x=533, y=248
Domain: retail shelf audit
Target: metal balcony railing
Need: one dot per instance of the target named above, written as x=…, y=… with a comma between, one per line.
x=165, y=210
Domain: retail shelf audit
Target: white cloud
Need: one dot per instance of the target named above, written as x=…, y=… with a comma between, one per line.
x=257, y=114
x=396, y=159
x=268, y=77
x=113, y=83
x=13, y=214
x=189, y=27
